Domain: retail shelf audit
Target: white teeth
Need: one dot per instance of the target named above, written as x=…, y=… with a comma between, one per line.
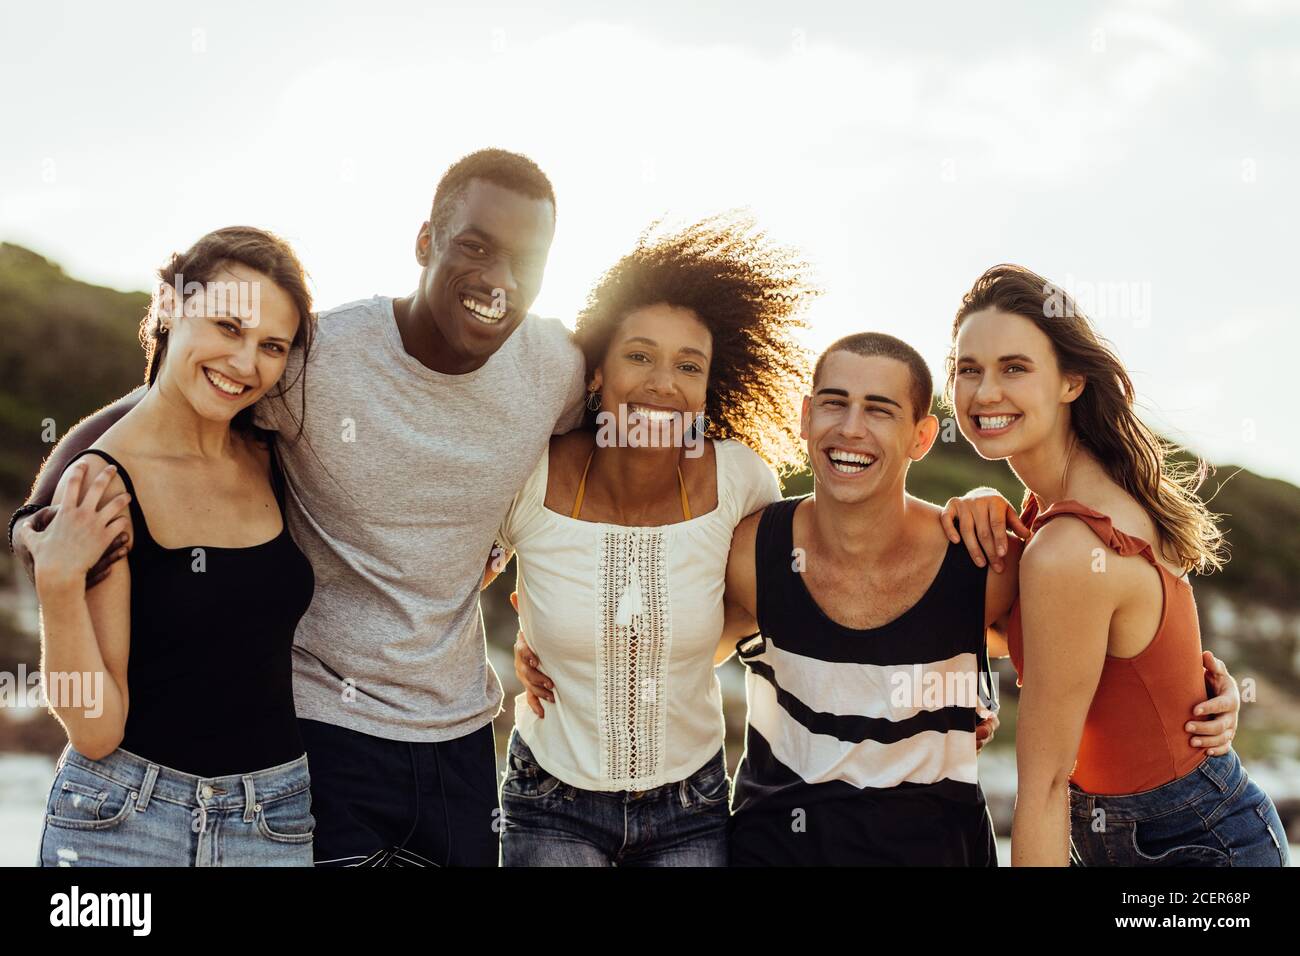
x=994, y=421
x=483, y=312
x=229, y=386
x=849, y=462
x=654, y=414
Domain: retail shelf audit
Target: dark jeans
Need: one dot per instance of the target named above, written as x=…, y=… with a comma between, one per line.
x=381, y=802
x=1214, y=815
x=550, y=823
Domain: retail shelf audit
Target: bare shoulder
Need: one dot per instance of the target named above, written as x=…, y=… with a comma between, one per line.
x=1062, y=551
x=566, y=456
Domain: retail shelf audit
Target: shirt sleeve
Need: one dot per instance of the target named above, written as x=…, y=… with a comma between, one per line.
x=525, y=507
x=755, y=485
x=266, y=413
x=575, y=376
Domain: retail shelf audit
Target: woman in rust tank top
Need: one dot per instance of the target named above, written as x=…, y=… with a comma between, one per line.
x=1104, y=636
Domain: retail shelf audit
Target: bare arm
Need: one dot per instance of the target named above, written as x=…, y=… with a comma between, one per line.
x=1000, y=590
x=1066, y=612
x=741, y=596
x=85, y=636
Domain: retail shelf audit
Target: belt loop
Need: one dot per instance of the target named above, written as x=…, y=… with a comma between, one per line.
x=250, y=799
x=146, y=788
x=683, y=795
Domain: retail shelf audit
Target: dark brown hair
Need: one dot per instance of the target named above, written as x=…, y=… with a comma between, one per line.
x=749, y=294
x=259, y=250
x=1103, y=418
x=868, y=344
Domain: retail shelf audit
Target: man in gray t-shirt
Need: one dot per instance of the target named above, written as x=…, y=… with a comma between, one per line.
x=423, y=417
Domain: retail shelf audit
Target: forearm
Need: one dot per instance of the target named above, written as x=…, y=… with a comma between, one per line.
x=82, y=692
x=1040, y=827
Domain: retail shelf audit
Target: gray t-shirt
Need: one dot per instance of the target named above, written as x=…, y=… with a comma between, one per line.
x=397, y=488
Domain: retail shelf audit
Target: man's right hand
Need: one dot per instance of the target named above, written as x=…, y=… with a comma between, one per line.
x=37, y=522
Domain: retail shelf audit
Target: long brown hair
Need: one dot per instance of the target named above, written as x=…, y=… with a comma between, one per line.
x=259, y=250
x=750, y=294
x=1102, y=418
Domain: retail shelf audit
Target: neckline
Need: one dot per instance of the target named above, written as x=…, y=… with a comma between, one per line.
x=394, y=338
x=717, y=477
x=138, y=509
x=803, y=590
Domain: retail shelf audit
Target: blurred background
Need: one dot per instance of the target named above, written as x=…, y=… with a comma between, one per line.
x=1143, y=154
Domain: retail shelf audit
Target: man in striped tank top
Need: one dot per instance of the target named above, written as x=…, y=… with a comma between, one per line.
x=869, y=676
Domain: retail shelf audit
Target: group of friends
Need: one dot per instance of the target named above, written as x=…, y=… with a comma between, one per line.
x=292, y=651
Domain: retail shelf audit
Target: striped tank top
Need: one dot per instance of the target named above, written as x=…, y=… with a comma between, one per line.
x=860, y=744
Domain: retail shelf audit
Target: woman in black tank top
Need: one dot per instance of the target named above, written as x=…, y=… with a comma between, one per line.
x=172, y=677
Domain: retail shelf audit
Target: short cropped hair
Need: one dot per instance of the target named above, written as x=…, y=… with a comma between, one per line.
x=868, y=344
x=500, y=167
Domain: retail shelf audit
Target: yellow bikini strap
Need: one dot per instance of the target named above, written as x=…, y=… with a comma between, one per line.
x=582, y=489
x=582, y=485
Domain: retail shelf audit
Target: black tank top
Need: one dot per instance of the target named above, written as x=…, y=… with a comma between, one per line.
x=860, y=747
x=209, y=672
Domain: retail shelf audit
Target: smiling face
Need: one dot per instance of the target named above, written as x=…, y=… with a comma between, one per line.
x=228, y=344
x=861, y=428
x=657, y=365
x=1009, y=392
x=484, y=268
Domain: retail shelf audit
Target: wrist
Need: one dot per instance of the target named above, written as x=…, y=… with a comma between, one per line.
x=54, y=584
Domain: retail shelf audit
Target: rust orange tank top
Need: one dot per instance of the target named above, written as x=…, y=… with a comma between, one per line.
x=1133, y=738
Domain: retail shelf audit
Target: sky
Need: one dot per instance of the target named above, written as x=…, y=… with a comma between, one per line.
x=1145, y=155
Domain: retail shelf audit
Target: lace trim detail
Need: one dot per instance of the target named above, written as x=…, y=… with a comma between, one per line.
x=634, y=628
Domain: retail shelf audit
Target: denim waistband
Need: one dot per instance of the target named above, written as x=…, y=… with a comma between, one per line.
x=518, y=744
x=1214, y=774
x=155, y=782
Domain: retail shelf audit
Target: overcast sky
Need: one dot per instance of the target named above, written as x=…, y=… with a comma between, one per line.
x=1143, y=154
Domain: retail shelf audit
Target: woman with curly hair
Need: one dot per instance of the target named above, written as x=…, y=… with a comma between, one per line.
x=623, y=533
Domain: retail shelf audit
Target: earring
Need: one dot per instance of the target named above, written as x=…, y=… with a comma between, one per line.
x=702, y=424
x=593, y=400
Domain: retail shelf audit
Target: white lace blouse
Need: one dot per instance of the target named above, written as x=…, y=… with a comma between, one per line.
x=625, y=621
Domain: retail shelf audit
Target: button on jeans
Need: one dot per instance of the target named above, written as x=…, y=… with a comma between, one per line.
x=1214, y=815
x=549, y=823
x=124, y=810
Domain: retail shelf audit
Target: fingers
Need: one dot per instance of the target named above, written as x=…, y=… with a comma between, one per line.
x=984, y=532
x=949, y=526
x=999, y=526
x=1016, y=525
x=1221, y=705
x=117, y=506
x=116, y=550
x=40, y=520
x=71, y=492
x=1214, y=665
x=1208, y=728
x=535, y=705
x=1217, y=742
x=969, y=535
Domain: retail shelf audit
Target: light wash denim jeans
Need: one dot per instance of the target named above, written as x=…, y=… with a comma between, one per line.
x=1214, y=815
x=549, y=823
x=124, y=810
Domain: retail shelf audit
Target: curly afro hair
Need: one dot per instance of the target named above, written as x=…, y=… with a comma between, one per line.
x=750, y=294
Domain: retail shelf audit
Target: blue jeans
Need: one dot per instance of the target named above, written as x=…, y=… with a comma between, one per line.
x=124, y=810
x=1214, y=815
x=549, y=823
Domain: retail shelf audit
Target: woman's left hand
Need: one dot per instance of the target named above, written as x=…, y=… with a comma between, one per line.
x=1215, y=734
